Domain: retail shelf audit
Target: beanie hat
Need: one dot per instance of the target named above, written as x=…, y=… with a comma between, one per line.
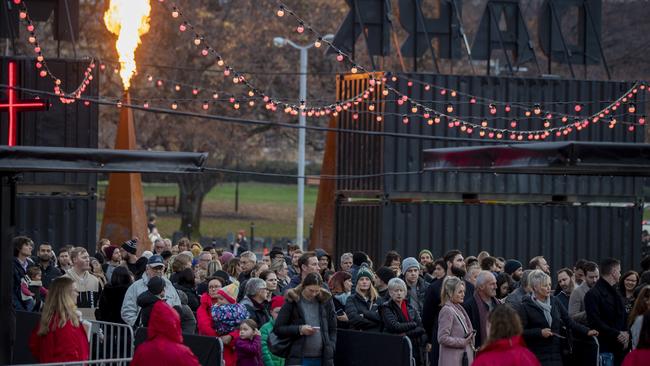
x=427, y=251
x=408, y=263
x=131, y=246
x=511, y=266
x=321, y=253
x=225, y=258
x=156, y=285
x=385, y=274
x=230, y=292
x=359, y=257
x=108, y=252
x=365, y=272
x=277, y=302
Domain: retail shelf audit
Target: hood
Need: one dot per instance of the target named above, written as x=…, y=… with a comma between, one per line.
x=146, y=299
x=164, y=322
x=294, y=294
x=504, y=344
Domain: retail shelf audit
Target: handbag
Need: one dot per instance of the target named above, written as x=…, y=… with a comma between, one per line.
x=279, y=346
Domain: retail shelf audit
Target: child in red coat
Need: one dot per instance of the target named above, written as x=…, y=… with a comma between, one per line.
x=249, y=345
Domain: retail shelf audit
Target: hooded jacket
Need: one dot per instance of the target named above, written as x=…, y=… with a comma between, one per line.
x=506, y=352
x=130, y=307
x=164, y=345
x=291, y=317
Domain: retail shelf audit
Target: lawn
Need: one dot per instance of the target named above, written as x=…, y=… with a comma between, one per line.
x=272, y=207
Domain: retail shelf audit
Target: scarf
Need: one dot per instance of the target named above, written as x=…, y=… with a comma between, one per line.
x=545, y=306
x=482, y=314
x=405, y=310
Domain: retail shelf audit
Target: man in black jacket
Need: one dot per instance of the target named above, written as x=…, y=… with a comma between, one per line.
x=606, y=312
x=455, y=264
x=481, y=303
x=46, y=263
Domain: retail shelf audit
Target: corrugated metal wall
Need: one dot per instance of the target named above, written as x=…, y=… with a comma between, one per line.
x=59, y=220
x=562, y=233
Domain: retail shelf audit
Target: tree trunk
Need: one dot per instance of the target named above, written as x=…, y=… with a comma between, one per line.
x=193, y=188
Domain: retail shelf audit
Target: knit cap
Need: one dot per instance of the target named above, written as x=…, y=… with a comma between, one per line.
x=108, y=252
x=230, y=292
x=277, y=302
x=131, y=246
x=365, y=272
x=156, y=285
x=385, y=274
x=409, y=263
x=511, y=266
x=427, y=251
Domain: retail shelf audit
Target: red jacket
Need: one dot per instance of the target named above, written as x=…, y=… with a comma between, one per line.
x=204, y=323
x=506, y=352
x=164, y=345
x=638, y=357
x=65, y=344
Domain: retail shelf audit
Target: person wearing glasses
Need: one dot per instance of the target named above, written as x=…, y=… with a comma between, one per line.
x=155, y=268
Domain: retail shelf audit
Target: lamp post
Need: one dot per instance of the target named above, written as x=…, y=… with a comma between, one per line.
x=300, y=219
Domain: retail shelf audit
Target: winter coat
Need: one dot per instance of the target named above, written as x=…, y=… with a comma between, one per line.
x=130, y=307
x=363, y=314
x=339, y=308
x=249, y=352
x=291, y=317
x=395, y=323
x=577, y=303
x=192, y=296
x=164, y=345
x=638, y=357
x=452, y=335
x=432, y=307
x=206, y=328
x=269, y=358
x=110, y=304
x=506, y=352
x=145, y=302
x=606, y=314
x=65, y=344
x=18, y=275
x=49, y=273
x=471, y=307
x=258, y=312
x=548, y=350
x=188, y=320
x=421, y=290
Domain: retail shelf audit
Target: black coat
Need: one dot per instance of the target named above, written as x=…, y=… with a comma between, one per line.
x=548, y=350
x=606, y=314
x=363, y=314
x=18, y=275
x=256, y=311
x=395, y=323
x=146, y=301
x=291, y=317
x=110, y=304
x=471, y=307
x=49, y=273
x=192, y=298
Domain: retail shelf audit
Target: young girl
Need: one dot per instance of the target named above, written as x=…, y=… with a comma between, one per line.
x=249, y=344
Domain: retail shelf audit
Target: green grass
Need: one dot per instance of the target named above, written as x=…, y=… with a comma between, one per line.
x=272, y=207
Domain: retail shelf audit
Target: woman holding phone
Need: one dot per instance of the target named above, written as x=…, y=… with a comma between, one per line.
x=308, y=319
x=455, y=332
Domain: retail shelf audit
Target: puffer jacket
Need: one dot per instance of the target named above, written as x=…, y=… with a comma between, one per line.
x=258, y=312
x=363, y=314
x=291, y=317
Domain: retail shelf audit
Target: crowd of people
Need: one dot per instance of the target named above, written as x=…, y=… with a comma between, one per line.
x=285, y=307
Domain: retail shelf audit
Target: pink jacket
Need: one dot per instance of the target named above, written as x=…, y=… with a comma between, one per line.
x=451, y=335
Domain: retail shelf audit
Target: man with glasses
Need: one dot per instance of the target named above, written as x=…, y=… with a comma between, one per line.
x=155, y=268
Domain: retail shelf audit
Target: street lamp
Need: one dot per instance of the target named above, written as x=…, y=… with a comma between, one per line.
x=300, y=219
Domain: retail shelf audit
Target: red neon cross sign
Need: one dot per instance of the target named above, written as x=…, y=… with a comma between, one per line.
x=13, y=105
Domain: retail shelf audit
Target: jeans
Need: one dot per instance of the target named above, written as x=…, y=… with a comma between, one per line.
x=606, y=359
x=311, y=362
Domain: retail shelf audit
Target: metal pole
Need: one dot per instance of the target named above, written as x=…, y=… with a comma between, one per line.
x=301, y=149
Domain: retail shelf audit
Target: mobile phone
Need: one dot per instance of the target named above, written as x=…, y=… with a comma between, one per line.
x=316, y=328
x=340, y=312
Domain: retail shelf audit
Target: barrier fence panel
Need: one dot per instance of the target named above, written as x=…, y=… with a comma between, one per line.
x=110, y=341
x=356, y=348
x=108, y=362
x=209, y=350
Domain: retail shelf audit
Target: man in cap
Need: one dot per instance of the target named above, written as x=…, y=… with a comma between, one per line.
x=155, y=268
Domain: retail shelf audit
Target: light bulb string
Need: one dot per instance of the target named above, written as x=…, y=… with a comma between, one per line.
x=239, y=78
x=41, y=61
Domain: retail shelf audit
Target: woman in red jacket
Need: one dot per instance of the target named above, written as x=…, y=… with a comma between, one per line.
x=505, y=346
x=164, y=345
x=60, y=335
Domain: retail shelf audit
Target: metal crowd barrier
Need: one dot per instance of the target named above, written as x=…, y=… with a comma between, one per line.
x=111, y=341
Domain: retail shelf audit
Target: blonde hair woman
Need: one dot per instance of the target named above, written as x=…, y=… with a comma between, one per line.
x=455, y=332
x=60, y=335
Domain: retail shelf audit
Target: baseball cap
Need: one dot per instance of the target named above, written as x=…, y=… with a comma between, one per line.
x=155, y=261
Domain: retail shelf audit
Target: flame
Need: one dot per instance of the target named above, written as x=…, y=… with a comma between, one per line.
x=128, y=19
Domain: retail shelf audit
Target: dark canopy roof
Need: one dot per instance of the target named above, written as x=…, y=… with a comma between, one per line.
x=59, y=159
x=576, y=158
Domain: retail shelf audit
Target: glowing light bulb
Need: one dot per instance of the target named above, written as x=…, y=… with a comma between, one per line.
x=318, y=43
x=339, y=57
x=493, y=109
x=205, y=106
x=174, y=105
x=300, y=29
x=450, y=108
x=537, y=109
x=280, y=12
x=182, y=27
x=577, y=107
